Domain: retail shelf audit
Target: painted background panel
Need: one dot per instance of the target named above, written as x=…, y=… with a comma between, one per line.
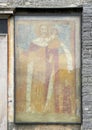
x=47, y=69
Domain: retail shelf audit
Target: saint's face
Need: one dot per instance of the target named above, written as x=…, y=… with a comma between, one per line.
x=43, y=30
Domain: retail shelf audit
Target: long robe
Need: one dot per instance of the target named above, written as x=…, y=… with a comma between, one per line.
x=42, y=79
x=45, y=60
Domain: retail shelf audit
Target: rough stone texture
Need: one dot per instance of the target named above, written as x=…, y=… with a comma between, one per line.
x=86, y=46
x=42, y=3
x=87, y=66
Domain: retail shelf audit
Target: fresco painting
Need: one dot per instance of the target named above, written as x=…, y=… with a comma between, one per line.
x=47, y=69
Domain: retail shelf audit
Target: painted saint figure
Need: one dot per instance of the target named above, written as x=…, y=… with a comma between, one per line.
x=43, y=70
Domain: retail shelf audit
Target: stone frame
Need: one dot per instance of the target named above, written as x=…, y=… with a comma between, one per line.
x=66, y=10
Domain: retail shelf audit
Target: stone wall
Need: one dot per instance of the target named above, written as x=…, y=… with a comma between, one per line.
x=87, y=66
x=86, y=50
x=42, y=3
